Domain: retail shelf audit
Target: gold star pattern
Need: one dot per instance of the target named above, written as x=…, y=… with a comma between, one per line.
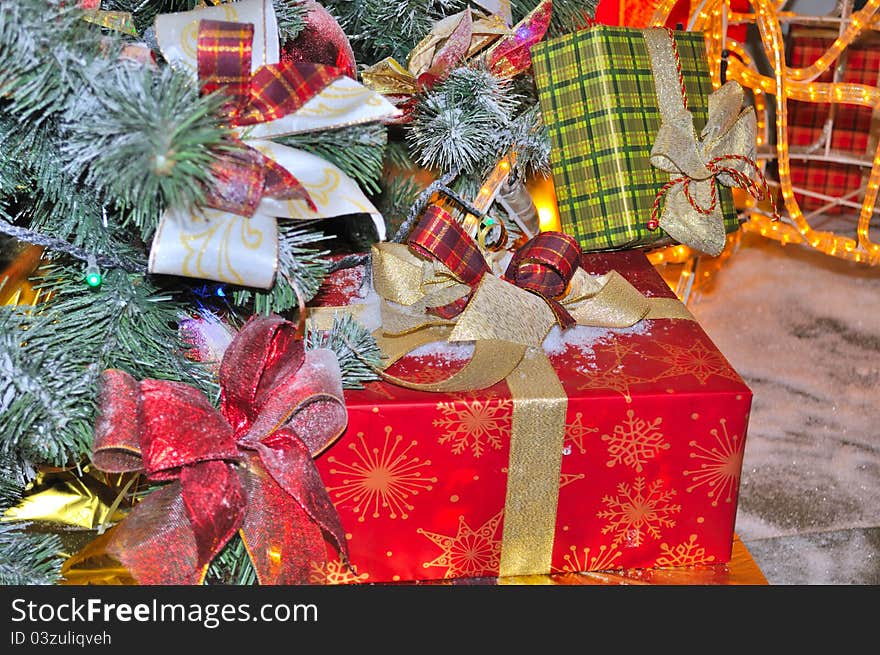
x=576, y=431
x=381, y=389
x=638, y=511
x=380, y=480
x=470, y=553
x=615, y=375
x=635, y=441
x=697, y=359
x=566, y=479
x=599, y=561
x=688, y=553
x=720, y=466
x=475, y=423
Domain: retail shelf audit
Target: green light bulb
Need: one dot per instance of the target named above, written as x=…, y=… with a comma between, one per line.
x=94, y=279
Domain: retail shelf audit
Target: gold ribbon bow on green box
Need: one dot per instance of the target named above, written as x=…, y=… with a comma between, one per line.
x=722, y=152
x=218, y=244
x=506, y=317
x=635, y=127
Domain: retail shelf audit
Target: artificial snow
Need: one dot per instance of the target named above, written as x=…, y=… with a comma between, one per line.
x=803, y=330
x=585, y=337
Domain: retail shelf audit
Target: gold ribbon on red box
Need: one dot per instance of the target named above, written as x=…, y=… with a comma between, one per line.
x=439, y=288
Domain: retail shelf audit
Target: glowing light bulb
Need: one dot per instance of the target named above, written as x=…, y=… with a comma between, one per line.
x=93, y=277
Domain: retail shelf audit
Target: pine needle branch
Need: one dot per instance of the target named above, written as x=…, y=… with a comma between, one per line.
x=301, y=269
x=356, y=349
x=357, y=150
x=28, y=558
x=232, y=566
x=146, y=138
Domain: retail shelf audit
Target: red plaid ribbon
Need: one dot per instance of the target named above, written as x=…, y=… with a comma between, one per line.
x=543, y=266
x=438, y=236
x=272, y=91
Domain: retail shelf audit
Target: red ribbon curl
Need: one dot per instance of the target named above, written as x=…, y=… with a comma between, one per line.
x=243, y=177
x=248, y=467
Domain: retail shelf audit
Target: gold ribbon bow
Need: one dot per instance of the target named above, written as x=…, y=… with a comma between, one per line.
x=722, y=152
x=449, y=41
x=507, y=325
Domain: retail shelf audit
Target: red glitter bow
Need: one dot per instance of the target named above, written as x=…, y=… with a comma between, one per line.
x=248, y=466
x=511, y=56
x=242, y=178
x=544, y=265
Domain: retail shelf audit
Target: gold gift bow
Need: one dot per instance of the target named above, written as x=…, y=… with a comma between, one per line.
x=473, y=30
x=508, y=326
x=692, y=211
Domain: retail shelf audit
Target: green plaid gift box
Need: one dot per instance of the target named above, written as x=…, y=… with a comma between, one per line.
x=600, y=107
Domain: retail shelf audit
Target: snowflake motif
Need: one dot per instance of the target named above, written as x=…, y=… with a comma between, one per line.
x=720, y=466
x=470, y=553
x=600, y=561
x=635, y=441
x=475, y=425
x=382, y=389
x=380, y=479
x=575, y=433
x=334, y=572
x=637, y=512
x=697, y=359
x=685, y=554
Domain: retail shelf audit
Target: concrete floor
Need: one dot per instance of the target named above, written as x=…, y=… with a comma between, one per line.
x=803, y=330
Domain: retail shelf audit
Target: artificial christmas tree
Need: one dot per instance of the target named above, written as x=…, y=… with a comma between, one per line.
x=111, y=137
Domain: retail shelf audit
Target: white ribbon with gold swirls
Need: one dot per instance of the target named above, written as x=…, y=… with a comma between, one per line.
x=217, y=245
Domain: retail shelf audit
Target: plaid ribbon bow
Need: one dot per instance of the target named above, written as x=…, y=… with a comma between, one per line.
x=244, y=176
x=544, y=265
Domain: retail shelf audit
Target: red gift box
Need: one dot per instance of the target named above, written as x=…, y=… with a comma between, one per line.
x=655, y=428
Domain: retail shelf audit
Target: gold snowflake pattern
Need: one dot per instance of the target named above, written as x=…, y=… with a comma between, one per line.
x=638, y=511
x=635, y=441
x=380, y=480
x=470, y=552
x=474, y=424
x=575, y=433
x=383, y=389
x=598, y=561
x=688, y=553
x=720, y=466
x=697, y=359
x=334, y=572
